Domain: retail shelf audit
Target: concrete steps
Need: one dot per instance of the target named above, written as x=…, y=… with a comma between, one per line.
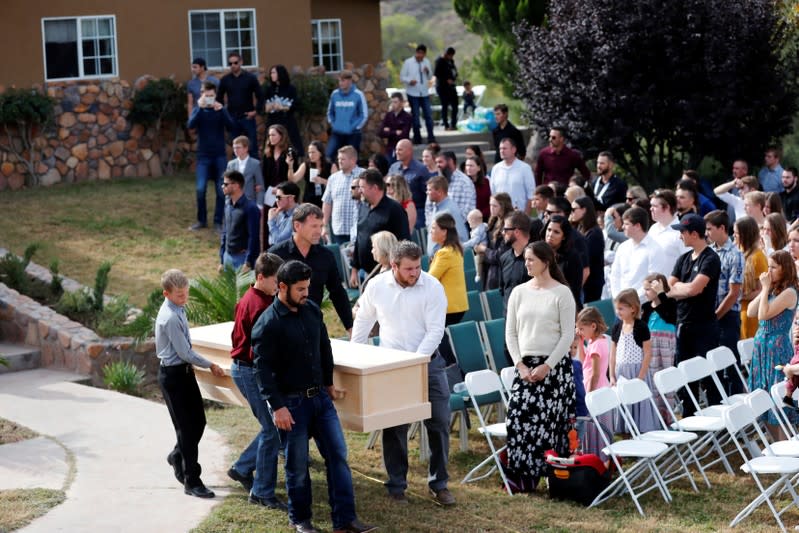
x=19, y=357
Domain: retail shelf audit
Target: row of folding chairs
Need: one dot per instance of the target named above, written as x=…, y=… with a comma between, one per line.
x=663, y=455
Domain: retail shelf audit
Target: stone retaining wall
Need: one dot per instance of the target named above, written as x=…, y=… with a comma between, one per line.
x=93, y=139
x=65, y=344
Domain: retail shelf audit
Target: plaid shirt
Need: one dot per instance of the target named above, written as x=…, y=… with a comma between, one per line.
x=461, y=191
x=338, y=193
x=732, y=271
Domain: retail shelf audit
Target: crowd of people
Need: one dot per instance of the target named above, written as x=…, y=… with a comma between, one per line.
x=688, y=269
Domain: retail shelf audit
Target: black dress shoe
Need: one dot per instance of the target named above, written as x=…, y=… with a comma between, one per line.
x=269, y=503
x=304, y=527
x=201, y=491
x=176, y=462
x=246, y=481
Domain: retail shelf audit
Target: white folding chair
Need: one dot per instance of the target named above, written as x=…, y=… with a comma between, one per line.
x=746, y=347
x=778, y=392
x=738, y=418
x=481, y=383
x=508, y=374
x=696, y=370
x=645, y=453
x=670, y=381
x=760, y=403
x=723, y=360
x=633, y=391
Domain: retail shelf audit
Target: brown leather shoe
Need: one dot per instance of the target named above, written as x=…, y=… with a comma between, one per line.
x=443, y=497
x=398, y=498
x=356, y=526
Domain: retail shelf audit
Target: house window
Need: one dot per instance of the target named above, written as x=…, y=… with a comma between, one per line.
x=79, y=47
x=326, y=41
x=215, y=34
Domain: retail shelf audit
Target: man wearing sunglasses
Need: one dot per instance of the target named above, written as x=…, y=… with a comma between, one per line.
x=241, y=93
x=279, y=217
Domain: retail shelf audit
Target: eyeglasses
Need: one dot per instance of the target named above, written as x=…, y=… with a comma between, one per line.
x=226, y=183
x=630, y=199
x=389, y=184
x=231, y=63
x=508, y=229
x=278, y=198
x=550, y=213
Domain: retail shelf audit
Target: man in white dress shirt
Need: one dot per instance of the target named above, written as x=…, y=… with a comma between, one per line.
x=410, y=306
x=637, y=257
x=743, y=185
x=663, y=209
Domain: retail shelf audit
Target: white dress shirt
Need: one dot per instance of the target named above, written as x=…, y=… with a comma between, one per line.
x=516, y=179
x=420, y=72
x=411, y=318
x=242, y=163
x=633, y=263
x=668, y=239
x=735, y=201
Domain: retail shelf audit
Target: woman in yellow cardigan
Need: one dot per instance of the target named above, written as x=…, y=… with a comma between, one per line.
x=447, y=267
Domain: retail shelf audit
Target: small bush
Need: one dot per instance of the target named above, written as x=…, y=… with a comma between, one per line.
x=112, y=319
x=12, y=269
x=143, y=326
x=123, y=376
x=213, y=300
x=55, y=284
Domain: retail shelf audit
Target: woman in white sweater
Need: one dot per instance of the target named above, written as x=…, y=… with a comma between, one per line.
x=539, y=330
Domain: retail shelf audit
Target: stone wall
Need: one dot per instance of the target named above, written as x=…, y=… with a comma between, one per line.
x=92, y=138
x=65, y=344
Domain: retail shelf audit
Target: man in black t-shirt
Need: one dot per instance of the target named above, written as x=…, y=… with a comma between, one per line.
x=694, y=283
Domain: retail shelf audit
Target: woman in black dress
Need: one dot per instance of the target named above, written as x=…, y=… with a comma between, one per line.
x=312, y=174
x=275, y=169
x=558, y=235
x=583, y=219
x=281, y=102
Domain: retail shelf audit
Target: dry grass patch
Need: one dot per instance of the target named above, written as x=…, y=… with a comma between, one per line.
x=138, y=224
x=19, y=507
x=12, y=432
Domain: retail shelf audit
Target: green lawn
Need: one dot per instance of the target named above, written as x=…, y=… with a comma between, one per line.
x=140, y=224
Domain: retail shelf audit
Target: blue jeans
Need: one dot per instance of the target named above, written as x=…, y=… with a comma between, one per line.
x=424, y=103
x=316, y=417
x=340, y=140
x=261, y=455
x=234, y=261
x=246, y=126
x=210, y=169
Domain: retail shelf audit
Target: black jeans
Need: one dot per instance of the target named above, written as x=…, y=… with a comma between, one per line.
x=693, y=340
x=185, y=404
x=449, y=102
x=729, y=335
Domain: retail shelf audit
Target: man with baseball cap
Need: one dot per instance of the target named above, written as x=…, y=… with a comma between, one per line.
x=694, y=283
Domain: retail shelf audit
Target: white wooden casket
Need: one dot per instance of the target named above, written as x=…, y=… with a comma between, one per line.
x=384, y=387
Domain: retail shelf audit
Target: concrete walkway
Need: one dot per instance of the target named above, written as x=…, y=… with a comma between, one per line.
x=118, y=444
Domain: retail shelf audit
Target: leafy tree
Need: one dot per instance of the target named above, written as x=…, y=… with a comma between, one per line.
x=494, y=22
x=161, y=104
x=663, y=83
x=24, y=113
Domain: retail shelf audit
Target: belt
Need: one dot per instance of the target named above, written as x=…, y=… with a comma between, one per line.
x=242, y=362
x=310, y=392
x=185, y=367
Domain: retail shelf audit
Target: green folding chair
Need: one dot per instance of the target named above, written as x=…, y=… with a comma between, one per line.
x=493, y=332
x=493, y=305
x=475, y=312
x=605, y=307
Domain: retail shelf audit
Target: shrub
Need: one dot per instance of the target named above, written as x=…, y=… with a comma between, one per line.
x=213, y=300
x=22, y=113
x=112, y=319
x=161, y=104
x=123, y=376
x=55, y=283
x=12, y=269
x=313, y=95
x=143, y=326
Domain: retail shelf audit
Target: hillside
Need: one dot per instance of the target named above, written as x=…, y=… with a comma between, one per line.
x=437, y=19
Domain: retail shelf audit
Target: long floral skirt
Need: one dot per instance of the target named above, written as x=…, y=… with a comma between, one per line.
x=539, y=419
